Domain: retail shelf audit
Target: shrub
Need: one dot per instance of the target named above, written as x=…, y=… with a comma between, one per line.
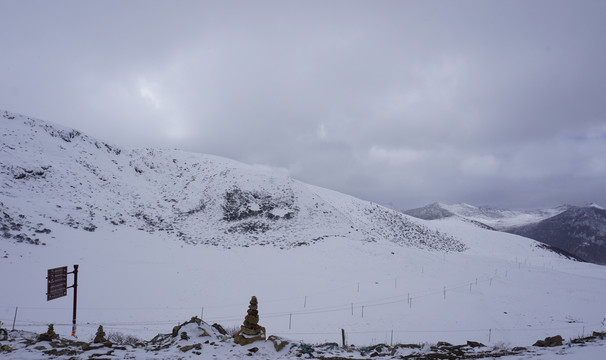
x=122, y=339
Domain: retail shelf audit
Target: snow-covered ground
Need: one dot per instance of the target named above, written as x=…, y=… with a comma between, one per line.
x=502, y=290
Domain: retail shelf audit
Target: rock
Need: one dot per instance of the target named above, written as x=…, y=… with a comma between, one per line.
x=49, y=335
x=189, y=347
x=254, y=349
x=3, y=335
x=193, y=320
x=475, y=344
x=250, y=331
x=550, y=341
x=220, y=329
x=279, y=343
x=100, y=336
x=184, y=336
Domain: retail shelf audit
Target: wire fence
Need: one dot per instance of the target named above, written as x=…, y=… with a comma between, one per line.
x=402, y=297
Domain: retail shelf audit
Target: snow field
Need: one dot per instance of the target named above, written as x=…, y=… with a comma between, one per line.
x=143, y=284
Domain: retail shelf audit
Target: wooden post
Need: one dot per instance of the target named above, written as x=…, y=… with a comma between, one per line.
x=489, y=334
x=75, y=299
x=391, y=343
x=289, y=321
x=15, y=318
x=343, y=336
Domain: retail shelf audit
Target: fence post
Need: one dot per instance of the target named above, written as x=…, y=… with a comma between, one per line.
x=343, y=336
x=15, y=318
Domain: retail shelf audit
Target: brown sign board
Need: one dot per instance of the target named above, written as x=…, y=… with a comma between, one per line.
x=56, y=283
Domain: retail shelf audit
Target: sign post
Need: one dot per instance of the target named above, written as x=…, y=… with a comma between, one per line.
x=75, y=286
x=56, y=287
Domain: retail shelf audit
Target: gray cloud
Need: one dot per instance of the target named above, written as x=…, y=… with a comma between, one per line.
x=402, y=103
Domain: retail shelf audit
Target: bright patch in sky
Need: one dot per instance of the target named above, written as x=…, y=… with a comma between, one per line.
x=147, y=92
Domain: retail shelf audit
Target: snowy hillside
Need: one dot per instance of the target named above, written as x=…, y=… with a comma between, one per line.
x=51, y=174
x=163, y=235
x=580, y=230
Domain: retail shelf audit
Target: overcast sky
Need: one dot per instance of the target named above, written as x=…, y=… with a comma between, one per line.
x=404, y=103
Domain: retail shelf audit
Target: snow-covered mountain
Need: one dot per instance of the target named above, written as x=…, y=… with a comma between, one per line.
x=579, y=230
x=53, y=174
x=497, y=219
x=163, y=235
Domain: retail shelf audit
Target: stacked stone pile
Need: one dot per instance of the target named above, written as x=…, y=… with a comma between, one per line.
x=250, y=331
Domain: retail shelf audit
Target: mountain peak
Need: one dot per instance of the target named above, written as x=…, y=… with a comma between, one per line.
x=596, y=206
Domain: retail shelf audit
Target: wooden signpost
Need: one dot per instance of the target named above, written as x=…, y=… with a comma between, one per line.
x=56, y=287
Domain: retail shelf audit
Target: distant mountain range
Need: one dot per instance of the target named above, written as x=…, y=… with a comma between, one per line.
x=577, y=230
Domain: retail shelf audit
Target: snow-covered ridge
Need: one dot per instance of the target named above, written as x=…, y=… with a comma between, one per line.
x=52, y=174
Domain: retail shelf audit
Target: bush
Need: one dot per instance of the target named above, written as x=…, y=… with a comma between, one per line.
x=122, y=339
x=232, y=330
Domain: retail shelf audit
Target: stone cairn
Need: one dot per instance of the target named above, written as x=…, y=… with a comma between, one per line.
x=250, y=331
x=100, y=336
x=49, y=335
